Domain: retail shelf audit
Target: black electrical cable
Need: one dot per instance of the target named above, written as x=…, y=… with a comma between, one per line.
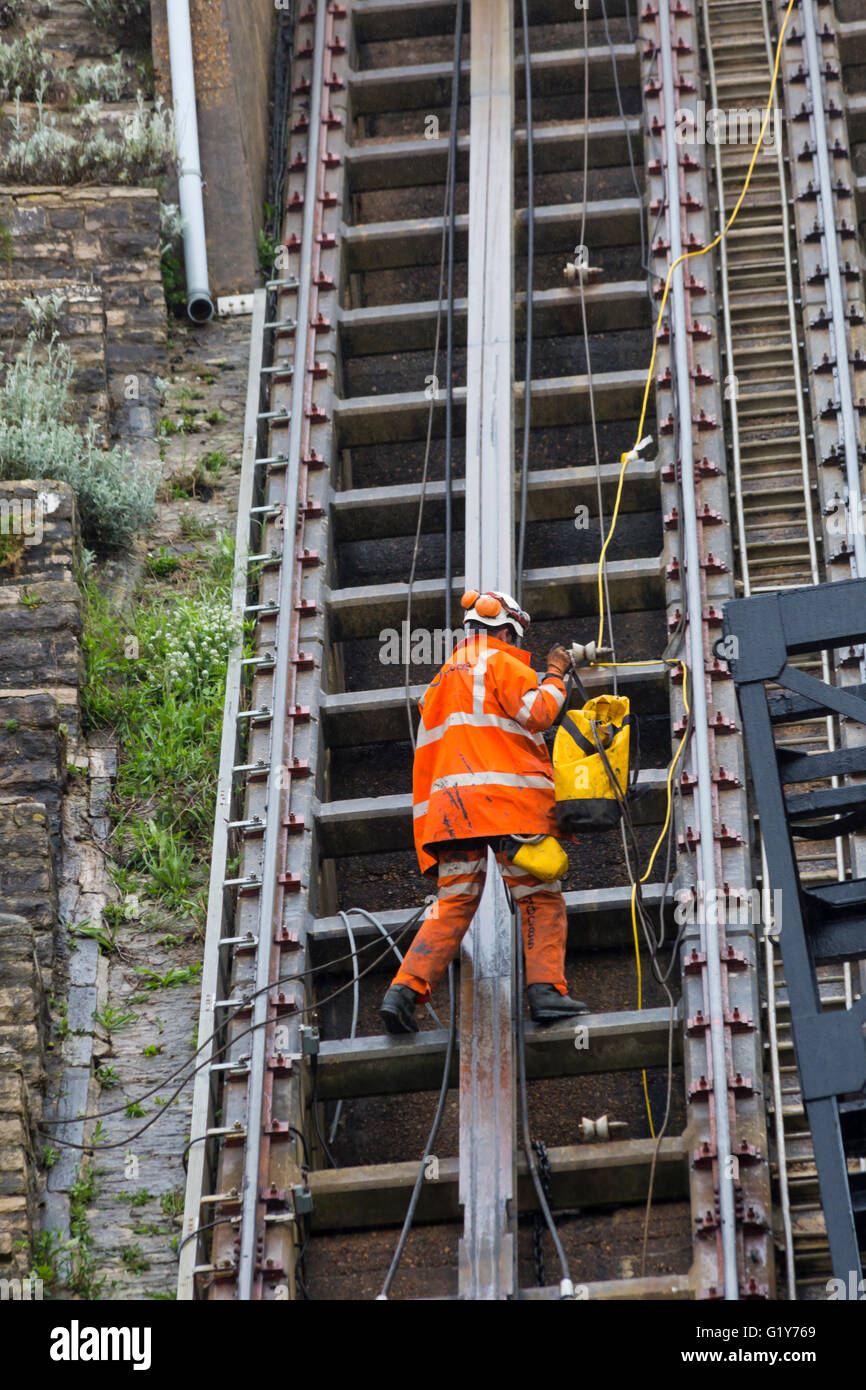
x=625, y=123
x=208, y=1226
x=449, y=307
x=264, y=1023
x=243, y=1004
x=448, y=226
x=646, y=925
x=528, y=299
x=431, y=1138
x=282, y=95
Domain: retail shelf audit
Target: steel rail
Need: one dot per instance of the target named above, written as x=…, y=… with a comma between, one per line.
x=488, y=1188
x=745, y=571
x=219, y=919
x=271, y=892
x=850, y=430
x=700, y=738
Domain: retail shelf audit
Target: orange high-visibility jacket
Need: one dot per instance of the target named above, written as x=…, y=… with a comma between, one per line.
x=481, y=765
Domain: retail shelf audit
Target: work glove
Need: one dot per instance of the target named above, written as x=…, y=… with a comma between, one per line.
x=558, y=661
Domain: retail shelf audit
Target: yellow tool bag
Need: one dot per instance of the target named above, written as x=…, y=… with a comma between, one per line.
x=540, y=855
x=585, y=797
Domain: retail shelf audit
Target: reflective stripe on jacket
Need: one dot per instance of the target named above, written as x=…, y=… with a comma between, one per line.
x=482, y=768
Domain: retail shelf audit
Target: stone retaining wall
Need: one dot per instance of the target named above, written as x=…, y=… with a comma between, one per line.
x=22, y=1081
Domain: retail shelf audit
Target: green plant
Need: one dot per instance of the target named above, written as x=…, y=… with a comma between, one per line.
x=152, y=1050
x=193, y=527
x=163, y=854
x=214, y=462
x=28, y=599
x=6, y=243
x=11, y=552
x=11, y=726
x=115, y=915
x=134, y=1111
x=45, y=1251
x=107, y=1078
x=115, y=499
x=176, y=975
x=106, y=937
x=172, y=1202
x=71, y=1260
x=173, y=283
x=161, y=565
x=134, y=1259
x=49, y=1156
x=166, y=709
x=216, y=417
x=266, y=248
x=113, y=1020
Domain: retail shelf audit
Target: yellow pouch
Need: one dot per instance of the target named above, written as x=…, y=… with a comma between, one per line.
x=545, y=859
x=585, y=798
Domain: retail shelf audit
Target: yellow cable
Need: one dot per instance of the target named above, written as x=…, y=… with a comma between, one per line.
x=685, y=256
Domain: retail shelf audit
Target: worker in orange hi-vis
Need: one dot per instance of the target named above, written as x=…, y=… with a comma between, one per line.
x=482, y=774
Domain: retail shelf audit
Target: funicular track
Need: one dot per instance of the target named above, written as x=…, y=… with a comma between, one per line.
x=782, y=358
x=315, y=775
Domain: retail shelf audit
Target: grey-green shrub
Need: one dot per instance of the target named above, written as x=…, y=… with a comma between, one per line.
x=110, y=81
x=115, y=496
x=137, y=151
x=24, y=65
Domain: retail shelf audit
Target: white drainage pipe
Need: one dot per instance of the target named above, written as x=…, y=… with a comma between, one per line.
x=199, y=304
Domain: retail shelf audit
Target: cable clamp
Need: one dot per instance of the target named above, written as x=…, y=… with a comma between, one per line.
x=634, y=454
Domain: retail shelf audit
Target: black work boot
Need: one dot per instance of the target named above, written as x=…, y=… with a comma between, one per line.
x=398, y=1008
x=546, y=1004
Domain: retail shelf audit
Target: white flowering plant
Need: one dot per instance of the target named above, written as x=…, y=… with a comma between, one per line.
x=188, y=642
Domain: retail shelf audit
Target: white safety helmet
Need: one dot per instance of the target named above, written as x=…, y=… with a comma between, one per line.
x=494, y=609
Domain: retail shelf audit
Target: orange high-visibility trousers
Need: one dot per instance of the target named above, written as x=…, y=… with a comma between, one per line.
x=461, y=880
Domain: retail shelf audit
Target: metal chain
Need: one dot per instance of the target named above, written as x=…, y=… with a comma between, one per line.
x=538, y=1219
